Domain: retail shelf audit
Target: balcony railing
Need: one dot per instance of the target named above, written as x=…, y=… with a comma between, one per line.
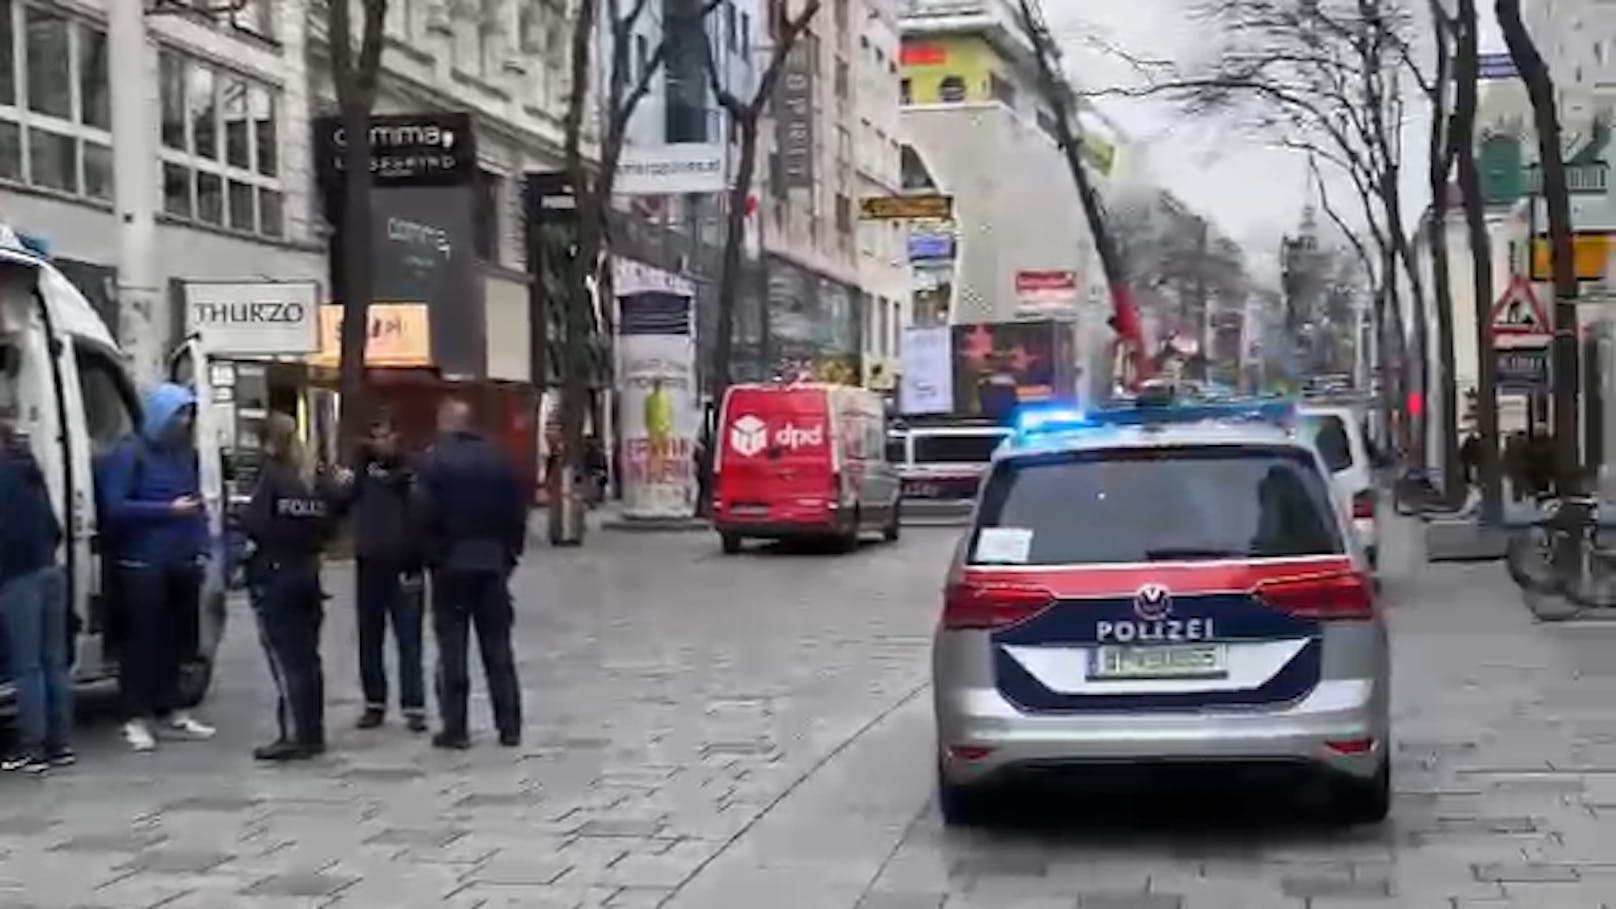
x=1581, y=179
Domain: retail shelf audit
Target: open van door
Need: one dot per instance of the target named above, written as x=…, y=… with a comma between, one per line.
x=189, y=366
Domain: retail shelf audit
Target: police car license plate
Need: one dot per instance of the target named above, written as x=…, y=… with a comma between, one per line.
x=1171, y=661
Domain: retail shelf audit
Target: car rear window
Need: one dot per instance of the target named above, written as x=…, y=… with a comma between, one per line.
x=1160, y=504
x=956, y=448
x=1330, y=435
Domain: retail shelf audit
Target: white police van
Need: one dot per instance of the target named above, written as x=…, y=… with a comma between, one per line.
x=63, y=376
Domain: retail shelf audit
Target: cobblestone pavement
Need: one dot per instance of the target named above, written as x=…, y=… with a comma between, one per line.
x=709, y=732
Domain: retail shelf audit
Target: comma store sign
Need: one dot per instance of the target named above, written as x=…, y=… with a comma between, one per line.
x=267, y=318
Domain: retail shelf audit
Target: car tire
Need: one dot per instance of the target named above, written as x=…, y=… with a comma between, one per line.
x=960, y=805
x=731, y=542
x=1357, y=801
x=894, y=528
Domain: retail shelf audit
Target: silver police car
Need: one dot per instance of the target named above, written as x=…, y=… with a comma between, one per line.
x=1161, y=584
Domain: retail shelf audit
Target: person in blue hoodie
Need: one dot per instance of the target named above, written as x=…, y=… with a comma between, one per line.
x=33, y=611
x=157, y=537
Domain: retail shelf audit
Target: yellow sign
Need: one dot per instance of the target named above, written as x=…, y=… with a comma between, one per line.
x=400, y=335
x=934, y=207
x=1590, y=252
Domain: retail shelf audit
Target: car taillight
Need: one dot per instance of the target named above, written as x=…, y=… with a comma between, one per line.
x=977, y=604
x=1326, y=597
x=1363, y=504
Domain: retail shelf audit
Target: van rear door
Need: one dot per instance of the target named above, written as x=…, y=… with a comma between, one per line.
x=189, y=367
x=777, y=457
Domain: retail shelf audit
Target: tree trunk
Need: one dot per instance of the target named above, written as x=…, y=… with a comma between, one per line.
x=1539, y=84
x=565, y=513
x=1440, y=150
x=1467, y=70
x=729, y=275
x=1416, y=372
x=355, y=81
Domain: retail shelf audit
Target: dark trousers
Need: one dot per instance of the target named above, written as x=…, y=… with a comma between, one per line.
x=290, y=611
x=459, y=602
x=159, y=618
x=383, y=598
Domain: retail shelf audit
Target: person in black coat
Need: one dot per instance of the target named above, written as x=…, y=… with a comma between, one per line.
x=33, y=610
x=389, y=587
x=290, y=519
x=473, y=518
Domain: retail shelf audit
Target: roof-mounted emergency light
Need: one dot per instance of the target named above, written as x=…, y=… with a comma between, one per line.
x=1154, y=410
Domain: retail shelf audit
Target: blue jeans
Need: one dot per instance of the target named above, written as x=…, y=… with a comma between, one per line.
x=382, y=597
x=34, y=609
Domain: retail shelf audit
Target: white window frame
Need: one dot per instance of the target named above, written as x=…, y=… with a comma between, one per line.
x=16, y=111
x=226, y=172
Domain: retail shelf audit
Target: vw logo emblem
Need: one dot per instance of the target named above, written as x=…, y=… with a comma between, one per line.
x=1152, y=602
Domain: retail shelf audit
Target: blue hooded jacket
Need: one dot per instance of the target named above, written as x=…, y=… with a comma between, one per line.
x=138, y=481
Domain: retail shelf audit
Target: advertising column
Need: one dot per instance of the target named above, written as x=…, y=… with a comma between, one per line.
x=656, y=375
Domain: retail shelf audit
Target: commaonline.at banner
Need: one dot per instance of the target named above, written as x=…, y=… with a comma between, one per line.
x=656, y=374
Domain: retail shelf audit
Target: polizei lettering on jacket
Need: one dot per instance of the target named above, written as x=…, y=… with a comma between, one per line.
x=249, y=313
x=1161, y=631
x=300, y=507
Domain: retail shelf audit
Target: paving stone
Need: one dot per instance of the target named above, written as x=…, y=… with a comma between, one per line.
x=395, y=836
x=223, y=804
x=177, y=861
x=132, y=841
x=1130, y=901
x=300, y=885
x=1526, y=872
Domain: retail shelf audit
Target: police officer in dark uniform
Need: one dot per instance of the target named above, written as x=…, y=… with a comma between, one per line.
x=473, y=512
x=288, y=522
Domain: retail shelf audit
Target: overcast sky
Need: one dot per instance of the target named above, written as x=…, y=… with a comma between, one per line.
x=1253, y=191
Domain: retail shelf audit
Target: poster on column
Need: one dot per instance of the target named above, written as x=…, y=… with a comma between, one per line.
x=656, y=375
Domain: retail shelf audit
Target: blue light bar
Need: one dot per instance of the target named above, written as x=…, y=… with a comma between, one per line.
x=1046, y=421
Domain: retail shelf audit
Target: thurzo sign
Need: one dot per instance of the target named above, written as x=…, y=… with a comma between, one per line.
x=254, y=319
x=425, y=149
x=684, y=167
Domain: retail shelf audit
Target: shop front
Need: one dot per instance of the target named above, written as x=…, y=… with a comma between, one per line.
x=251, y=337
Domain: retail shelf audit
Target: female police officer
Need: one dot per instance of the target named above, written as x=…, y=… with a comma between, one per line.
x=289, y=520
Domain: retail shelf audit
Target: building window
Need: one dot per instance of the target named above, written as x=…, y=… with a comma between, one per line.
x=906, y=92
x=1001, y=90
x=731, y=27
x=746, y=35
x=221, y=160
x=257, y=17
x=841, y=78
x=642, y=56
x=485, y=216
x=951, y=90
x=55, y=113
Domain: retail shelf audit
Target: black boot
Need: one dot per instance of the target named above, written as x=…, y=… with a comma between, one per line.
x=452, y=741
x=415, y=722
x=283, y=751
x=371, y=718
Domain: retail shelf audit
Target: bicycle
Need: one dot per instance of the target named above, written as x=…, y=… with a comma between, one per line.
x=1559, y=555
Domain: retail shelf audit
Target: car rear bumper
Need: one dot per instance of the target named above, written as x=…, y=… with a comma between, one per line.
x=782, y=530
x=981, y=735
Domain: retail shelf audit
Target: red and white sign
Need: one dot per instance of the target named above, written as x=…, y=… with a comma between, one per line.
x=1046, y=288
x=1518, y=314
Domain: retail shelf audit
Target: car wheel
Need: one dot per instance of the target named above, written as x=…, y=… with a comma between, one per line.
x=731, y=543
x=1357, y=801
x=960, y=805
x=195, y=680
x=894, y=527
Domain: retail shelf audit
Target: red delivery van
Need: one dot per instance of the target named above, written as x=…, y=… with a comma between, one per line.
x=803, y=460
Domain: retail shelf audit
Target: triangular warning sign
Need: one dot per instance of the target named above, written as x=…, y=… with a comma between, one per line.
x=1518, y=311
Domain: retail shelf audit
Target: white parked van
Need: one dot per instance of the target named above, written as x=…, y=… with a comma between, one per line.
x=63, y=375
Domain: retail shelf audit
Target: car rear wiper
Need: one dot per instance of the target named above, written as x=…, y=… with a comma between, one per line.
x=1169, y=553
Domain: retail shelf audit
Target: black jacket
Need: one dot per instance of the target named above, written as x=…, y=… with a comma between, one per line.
x=470, y=506
x=30, y=532
x=290, y=520
x=381, y=500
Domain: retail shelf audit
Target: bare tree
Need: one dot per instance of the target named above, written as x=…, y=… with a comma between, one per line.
x=355, y=74
x=1441, y=148
x=745, y=115
x=1539, y=84
x=585, y=322
x=1057, y=93
x=1328, y=77
x=1467, y=71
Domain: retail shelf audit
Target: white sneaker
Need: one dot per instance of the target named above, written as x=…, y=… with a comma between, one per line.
x=139, y=735
x=190, y=727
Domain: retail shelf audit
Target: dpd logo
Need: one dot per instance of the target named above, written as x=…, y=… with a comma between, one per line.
x=748, y=435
